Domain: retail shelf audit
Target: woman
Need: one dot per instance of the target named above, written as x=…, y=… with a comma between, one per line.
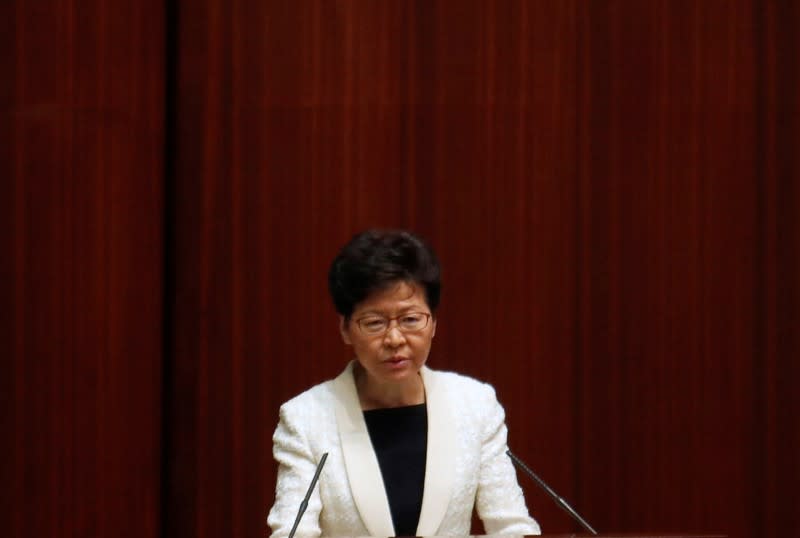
x=411, y=450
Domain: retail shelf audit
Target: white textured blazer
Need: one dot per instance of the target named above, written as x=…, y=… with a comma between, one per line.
x=466, y=463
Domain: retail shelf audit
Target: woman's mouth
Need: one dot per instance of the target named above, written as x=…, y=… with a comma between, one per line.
x=396, y=362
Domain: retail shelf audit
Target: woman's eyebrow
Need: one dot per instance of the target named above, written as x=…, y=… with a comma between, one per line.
x=384, y=313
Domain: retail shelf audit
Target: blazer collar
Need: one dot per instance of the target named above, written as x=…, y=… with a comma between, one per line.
x=440, y=463
x=361, y=463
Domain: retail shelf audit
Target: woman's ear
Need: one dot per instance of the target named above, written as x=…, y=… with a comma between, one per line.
x=433, y=331
x=344, y=331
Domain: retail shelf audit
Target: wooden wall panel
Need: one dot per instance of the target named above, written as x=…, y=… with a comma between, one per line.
x=285, y=151
x=81, y=167
x=610, y=186
x=668, y=275
x=373, y=125
x=778, y=274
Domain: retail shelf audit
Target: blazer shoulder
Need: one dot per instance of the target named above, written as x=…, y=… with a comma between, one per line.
x=313, y=400
x=460, y=384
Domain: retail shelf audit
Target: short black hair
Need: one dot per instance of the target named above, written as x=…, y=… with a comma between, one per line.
x=373, y=260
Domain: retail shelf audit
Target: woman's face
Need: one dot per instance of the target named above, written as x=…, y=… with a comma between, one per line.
x=395, y=355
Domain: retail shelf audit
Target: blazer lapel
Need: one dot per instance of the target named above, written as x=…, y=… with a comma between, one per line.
x=361, y=463
x=440, y=462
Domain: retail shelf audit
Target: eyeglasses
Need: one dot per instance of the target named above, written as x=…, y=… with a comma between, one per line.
x=408, y=323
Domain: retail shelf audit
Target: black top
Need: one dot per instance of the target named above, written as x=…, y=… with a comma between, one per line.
x=400, y=438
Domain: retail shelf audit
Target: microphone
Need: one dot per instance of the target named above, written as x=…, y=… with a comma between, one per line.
x=304, y=504
x=559, y=501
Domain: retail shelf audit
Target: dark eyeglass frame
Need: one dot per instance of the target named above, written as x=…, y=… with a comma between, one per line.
x=389, y=321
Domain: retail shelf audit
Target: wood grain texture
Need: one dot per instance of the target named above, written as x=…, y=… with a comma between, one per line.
x=81, y=169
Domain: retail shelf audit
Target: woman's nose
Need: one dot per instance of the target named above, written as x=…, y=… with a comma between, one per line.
x=394, y=336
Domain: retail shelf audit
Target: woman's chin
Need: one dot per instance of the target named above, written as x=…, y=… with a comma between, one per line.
x=395, y=371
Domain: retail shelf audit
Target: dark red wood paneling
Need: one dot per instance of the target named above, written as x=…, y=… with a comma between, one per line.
x=81, y=168
x=668, y=210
